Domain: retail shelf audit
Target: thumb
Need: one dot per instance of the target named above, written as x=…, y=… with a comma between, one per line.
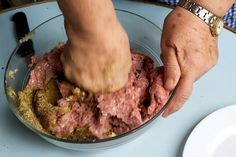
x=171, y=68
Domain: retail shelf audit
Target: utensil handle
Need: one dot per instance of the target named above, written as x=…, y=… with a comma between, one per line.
x=21, y=24
x=21, y=29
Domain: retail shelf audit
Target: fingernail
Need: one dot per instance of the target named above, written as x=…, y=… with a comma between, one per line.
x=165, y=114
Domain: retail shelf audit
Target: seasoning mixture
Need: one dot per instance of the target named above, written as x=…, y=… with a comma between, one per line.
x=55, y=106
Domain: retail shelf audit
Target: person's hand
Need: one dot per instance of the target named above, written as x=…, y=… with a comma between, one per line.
x=97, y=54
x=188, y=50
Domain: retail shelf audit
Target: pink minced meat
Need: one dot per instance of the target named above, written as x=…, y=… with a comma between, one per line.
x=45, y=69
x=66, y=89
x=119, y=112
x=158, y=94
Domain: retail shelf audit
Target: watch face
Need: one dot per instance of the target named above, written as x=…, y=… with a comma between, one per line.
x=219, y=25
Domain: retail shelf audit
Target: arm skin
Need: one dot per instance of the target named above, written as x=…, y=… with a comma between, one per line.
x=88, y=15
x=97, y=55
x=188, y=49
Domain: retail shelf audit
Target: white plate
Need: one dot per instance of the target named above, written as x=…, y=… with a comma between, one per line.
x=214, y=136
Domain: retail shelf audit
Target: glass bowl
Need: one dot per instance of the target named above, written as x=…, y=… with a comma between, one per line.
x=143, y=35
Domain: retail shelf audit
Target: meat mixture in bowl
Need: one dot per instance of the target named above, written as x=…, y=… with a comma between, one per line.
x=55, y=106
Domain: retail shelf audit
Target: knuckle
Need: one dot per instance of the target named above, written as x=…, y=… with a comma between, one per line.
x=213, y=54
x=170, y=66
x=169, y=43
x=183, y=98
x=212, y=63
x=172, y=43
x=173, y=69
x=215, y=60
x=176, y=108
x=176, y=72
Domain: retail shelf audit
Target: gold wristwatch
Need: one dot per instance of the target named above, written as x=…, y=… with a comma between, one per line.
x=215, y=23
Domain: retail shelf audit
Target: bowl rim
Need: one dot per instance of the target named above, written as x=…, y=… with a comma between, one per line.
x=26, y=123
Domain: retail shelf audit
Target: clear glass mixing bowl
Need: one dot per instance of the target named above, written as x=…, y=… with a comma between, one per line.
x=143, y=35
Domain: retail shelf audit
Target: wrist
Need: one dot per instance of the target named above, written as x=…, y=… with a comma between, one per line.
x=217, y=7
x=214, y=22
x=88, y=15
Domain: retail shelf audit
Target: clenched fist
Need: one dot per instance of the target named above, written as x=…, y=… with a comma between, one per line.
x=97, y=54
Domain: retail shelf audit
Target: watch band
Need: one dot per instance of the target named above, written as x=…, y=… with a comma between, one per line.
x=199, y=11
x=215, y=23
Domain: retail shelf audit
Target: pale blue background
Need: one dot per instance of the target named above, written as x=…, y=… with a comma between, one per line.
x=165, y=139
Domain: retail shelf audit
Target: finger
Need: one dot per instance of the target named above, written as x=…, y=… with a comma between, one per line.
x=182, y=93
x=67, y=65
x=171, y=68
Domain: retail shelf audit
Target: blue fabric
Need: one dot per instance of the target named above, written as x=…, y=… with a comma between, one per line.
x=229, y=18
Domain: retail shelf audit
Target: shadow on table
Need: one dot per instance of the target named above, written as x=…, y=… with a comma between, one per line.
x=22, y=134
x=181, y=147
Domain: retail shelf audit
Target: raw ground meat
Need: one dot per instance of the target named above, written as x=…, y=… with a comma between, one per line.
x=45, y=68
x=68, y=112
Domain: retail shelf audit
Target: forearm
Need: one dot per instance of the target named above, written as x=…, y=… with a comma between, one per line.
x=218, y=7
x=88, y=14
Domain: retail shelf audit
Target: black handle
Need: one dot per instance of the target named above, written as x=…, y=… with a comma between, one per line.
x=21, y=29
x=21, y=24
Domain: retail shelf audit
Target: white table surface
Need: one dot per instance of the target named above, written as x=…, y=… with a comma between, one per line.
x=165, y=139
